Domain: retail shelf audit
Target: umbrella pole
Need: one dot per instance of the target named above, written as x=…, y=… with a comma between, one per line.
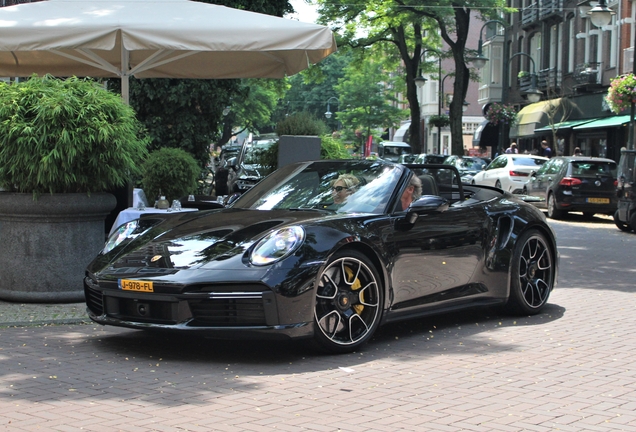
x=124, y=75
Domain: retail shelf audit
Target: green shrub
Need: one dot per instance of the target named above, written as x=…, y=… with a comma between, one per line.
x=66, y=136
x=332, y=148
x=171, y=172
x=300, y=123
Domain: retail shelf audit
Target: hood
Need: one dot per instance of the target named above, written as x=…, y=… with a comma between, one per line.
x=207, y=239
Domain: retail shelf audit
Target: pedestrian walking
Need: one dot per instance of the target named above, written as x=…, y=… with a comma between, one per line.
x=547, y=151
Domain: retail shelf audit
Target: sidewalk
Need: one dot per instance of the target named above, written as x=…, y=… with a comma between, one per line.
x=30, y=314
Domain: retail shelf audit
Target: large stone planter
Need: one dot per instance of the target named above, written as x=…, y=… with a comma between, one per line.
x=45, y=245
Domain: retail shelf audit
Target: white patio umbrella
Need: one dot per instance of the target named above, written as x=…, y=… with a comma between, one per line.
x=154, y=39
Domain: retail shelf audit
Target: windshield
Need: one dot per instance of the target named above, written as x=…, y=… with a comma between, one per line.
x=528, y=161
x=254, y=154
x=341, y=187
x=471, y=164
x=593, y=169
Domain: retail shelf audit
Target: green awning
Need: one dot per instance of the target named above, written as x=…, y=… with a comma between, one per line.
x=605, y=122
x=564, y=125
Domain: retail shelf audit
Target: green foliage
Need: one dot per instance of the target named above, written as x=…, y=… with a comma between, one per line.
x=332, y=148
x=300, y=123
x=439, y=121
x=66, y=136
x=171, y=172
x=367, y=99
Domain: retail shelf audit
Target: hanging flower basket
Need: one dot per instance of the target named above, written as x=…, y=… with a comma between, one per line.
x=621, y=93
x=439, y=121
x=501, y=113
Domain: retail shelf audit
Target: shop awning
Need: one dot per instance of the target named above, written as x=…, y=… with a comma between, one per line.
x=563, y=125
x=529, y=116
x=402, y=132
x=485, y=135
x=606, y=122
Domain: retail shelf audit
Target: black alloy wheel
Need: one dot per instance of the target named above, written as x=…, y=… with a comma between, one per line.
x=349, y=298
x=532, y=274
x=553, y=211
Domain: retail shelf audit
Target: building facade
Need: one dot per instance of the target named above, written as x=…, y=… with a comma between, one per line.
x=553, y=46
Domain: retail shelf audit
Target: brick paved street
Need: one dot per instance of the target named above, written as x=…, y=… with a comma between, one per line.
x=570, y=369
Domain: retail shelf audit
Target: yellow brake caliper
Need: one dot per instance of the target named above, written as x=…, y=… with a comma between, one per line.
x=356, y=285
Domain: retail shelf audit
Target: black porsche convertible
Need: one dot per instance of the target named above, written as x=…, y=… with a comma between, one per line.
x=327, y=250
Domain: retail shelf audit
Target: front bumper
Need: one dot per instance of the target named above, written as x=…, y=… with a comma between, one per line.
x=253, y=310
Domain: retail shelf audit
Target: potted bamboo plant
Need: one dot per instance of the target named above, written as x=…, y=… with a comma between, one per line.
x=63, y=143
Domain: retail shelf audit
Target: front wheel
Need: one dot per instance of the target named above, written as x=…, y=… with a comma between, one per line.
x=532, y=274
x=349, y=298
x=623, y=226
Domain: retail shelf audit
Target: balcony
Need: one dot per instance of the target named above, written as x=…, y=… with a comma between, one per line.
x=588, y=73
x=530, y=15
x=525, y=82
x=551, y=8
x=549, y=80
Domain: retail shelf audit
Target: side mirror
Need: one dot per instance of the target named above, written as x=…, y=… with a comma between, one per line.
x=426, y=204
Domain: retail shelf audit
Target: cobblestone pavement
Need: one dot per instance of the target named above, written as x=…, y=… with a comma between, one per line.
x=571, y=368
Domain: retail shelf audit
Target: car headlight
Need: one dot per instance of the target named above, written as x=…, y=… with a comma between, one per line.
x=277, y=245
x=122, y=233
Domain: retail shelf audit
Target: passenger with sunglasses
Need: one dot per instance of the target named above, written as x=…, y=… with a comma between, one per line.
x=342, y=187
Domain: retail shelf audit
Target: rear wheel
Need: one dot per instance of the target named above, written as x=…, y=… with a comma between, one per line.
x=498, y=184
x=349, y=300
x=531, y=274
x=588, y=215
x=623, y=226
x=553, y=211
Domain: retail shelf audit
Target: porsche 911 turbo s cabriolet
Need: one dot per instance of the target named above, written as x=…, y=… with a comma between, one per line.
x=328, y=250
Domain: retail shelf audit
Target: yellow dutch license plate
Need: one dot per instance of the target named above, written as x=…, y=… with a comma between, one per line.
x=598, y=200
x=136, y=285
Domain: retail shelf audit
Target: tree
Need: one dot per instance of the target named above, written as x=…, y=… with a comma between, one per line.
x=252, y=108
x=403, y=29
x=366, y=99
x=311, y=89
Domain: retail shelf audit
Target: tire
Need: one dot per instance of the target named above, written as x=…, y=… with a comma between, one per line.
x=220, y=185
x=588, y=215
x=532, y=274
x=553, y=211
x=632, y=221
x=498, y=184
x=623, y=226
x=473, y=182
x=348, y=309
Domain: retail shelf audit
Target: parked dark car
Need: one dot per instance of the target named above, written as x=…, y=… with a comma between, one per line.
x=467, y=166
x=323, y=250
x=625, y=215
x=427, y=158
x=574, y=184
x=245, y=170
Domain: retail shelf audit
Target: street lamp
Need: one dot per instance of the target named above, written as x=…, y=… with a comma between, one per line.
x=533, y=93
x=479, y=61
x=601, y=15
x=328, y=114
